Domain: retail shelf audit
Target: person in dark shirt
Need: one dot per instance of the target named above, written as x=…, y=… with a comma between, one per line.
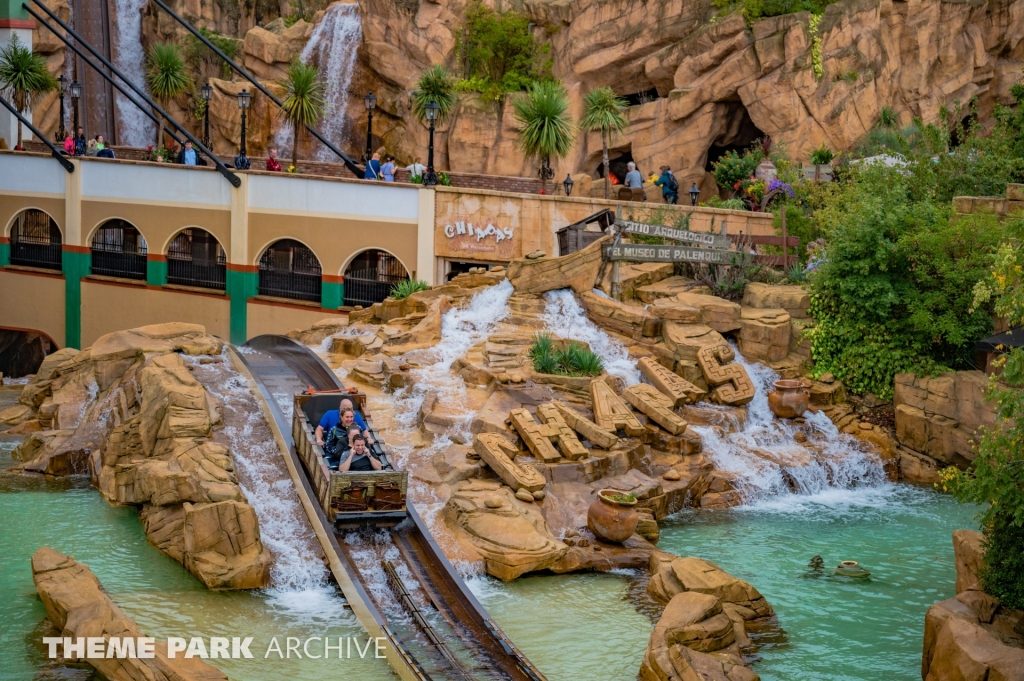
x=333, y=417
x=359, y=459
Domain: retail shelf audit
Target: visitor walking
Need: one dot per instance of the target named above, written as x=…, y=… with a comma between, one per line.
x=372, y=168
x=416, y=169
x=189, y=157
x=272, y=163
x=633, y=177
x=388, y=169
x=669, y=185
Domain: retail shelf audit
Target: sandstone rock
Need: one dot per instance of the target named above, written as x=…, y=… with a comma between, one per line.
x=676, y=388
x=424, y=334
x=79, y=607
x=720, y=314
x=656, y=406
x=647, y=527
x=667, y=289
x=733, y=385
x=588, y=429
x=500, y=454
x=524, y=496
x=968, y=553
x=19, y=413
x=916, y=467
x=540, y=438
x=610, y=412
x=965, y=650
x=319, y=331
x=671, y=575
x=630, y=320
x=793, y=299
x=636, y=275
x=577, y=271
x=511, y=539
x=764, y=333
x=827, y=393
x=686, y=340
x=222, y=546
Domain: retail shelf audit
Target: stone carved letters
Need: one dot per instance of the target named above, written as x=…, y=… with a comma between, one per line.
x=539, y=437
x=499, y=454
x=669, y=382
x=656, y=405
x=733, y=384
x=605, y=439
x=610, y=412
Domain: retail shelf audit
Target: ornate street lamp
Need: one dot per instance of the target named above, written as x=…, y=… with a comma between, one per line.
x=206, y=92
x=430, y=177
x=241, y=162
x=370, y=102
x=568, y=185
x=546, y=172
x=61, y=132
x=76, y=94
x=694, y=194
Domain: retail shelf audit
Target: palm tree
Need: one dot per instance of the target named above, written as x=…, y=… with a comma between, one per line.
x=166, y=74
x=546, y=129
x=604, y=111
x=23, y=75
x=434, y=85
x=304, y=102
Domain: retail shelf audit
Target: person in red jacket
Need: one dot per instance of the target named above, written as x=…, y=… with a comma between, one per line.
x=272, y=164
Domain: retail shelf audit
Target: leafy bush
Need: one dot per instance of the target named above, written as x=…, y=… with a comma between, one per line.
x=569, y=359
x=498, y=54
x=404, y=289
x=434, y=85
x=822, y=155
x=732, y=168
x=753, y=10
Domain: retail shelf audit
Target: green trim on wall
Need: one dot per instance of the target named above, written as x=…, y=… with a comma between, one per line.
x=331, y=294
x=12, y=9
x=75, y=266
x=156, y=272
x=240, y=287
x=5, y=255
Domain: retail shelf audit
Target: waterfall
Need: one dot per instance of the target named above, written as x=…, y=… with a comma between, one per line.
x=134, y=128
x=332, y=48
x=766, y=459
x=566, y=318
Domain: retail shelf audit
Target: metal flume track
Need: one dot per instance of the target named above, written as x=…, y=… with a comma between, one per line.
x=462, y=641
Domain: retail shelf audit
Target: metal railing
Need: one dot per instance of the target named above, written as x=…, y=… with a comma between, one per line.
x=366, y=287
x=289, y=284
x=204, y=274
x=44, y=256
x=118, y=264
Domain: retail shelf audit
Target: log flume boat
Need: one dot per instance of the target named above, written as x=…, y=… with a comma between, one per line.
x=445, y=633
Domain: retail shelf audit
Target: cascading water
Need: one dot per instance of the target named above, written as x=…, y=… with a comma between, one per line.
x=764, y=455
x=566, y=318
x=134, y=128
x=332, y=47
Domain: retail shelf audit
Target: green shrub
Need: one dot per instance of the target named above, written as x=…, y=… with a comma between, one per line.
x=569, y=359
x=732, y=168
x=404, y=289
x=822, y=155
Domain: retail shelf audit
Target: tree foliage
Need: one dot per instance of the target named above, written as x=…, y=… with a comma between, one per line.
x=23, y=76
x=604, y=112
x=546, y=130
x=166, y=73
x=304, y=102
x=434, y=85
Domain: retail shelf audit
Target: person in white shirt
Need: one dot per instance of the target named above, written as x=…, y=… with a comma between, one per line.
x=416, y=168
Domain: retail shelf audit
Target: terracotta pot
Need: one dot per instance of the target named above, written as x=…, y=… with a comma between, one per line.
x=789, y=399
x=612, y=521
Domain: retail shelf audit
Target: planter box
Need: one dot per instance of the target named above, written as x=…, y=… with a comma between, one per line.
x=819, y=173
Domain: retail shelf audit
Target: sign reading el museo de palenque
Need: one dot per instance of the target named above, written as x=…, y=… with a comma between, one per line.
x=696, y=238
x=642, y=253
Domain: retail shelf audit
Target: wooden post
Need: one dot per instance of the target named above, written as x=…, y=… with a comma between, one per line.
x=615, y=264
x=785, y=242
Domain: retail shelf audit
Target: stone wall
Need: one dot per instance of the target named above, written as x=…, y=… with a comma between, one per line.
x=938, y=418
x=1001, y=206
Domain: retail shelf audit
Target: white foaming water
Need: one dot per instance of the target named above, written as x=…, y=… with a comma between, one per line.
x=134, y=128
x=332, y=48
x=772, y=468
x=566, y=318
x=299, y=587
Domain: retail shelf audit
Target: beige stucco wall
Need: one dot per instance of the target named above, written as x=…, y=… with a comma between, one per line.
x=158, y=224
x=33, y=301
x=334, y=241
x=265, y=317
x=108, y=307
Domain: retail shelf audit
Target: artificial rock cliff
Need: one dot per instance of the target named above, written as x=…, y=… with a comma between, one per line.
x=128, y=411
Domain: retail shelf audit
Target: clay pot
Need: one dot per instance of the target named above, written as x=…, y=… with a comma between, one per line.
x=790, y=399
x=612, y=521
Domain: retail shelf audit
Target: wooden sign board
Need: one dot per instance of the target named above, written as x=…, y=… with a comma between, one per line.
x=705, y=239
x=642, y=253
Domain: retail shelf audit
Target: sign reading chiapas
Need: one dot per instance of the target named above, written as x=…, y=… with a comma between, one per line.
x=481, y=239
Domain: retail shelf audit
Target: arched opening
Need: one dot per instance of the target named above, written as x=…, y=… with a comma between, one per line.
x=370, y=277
x=289, y=269
x=119, y=250
x=22, y=351
x=35, y=241
x=196, y=258
x=616, y=165
x=736, y=132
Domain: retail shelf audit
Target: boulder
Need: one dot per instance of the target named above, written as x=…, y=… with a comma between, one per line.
x=500, y=454
x=426, y=333
x=666, y=288
x=686, y=340
x=630, y=320
x=672, y=310
x=678, y=389
x=222, y=546
x=732, y=383
x=657, y=406
x=78, y=606
x=577, y=271
x=319, y=331
x=793, y=299
x=720, y=314
x=764, y=333
x=671, y=575
x=965, y=650
x=968, y=553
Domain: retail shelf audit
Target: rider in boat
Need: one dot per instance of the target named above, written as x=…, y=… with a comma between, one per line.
x=359, y=459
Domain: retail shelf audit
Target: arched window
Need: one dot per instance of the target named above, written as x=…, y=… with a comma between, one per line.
x=288, y=269
x=196, y=258
x=370, y=276
x=119, y=250
x=35, y=241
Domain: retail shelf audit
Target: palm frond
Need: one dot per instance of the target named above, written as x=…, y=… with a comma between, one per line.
x=304, y=101
x=546, y=129
x=23, y=73
x=166, y=72
x=604, y=111
x=434, y=85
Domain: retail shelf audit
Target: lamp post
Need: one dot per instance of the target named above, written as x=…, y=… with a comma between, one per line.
x=568, y=183
x=430, y=177
x=370, y=102
x=241, y=162
x=76, y=94
x=694, y=194
x=61, y=132
x=206, y=92
x=546, y=172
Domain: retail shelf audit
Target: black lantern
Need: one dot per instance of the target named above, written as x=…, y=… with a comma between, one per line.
x=370, y=102
x=61, y=132
x=206, y=92
x=432, y=111
x=76, y=94
x=694, y=194
x=568, y=185
x=241, y=162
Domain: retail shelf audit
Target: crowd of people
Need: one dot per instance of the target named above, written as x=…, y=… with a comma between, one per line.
x=345, y=439
x=76, y=145
x=666, y=181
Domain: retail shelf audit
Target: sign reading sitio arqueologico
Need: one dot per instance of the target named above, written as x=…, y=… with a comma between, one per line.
x=703, y=239
x=707, y=247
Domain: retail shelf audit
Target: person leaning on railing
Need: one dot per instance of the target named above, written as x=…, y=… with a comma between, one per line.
x=188, y=156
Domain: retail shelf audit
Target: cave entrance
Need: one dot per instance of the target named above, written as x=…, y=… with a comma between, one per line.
x=616, y=165
x=641, y=98
x=738, y=132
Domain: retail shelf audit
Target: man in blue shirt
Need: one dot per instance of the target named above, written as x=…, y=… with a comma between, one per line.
x=188, y=156
x=633, y=176
x=332, y=417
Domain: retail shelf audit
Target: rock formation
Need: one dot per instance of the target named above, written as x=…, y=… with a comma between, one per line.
x=79, y=607
x=129, y=412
